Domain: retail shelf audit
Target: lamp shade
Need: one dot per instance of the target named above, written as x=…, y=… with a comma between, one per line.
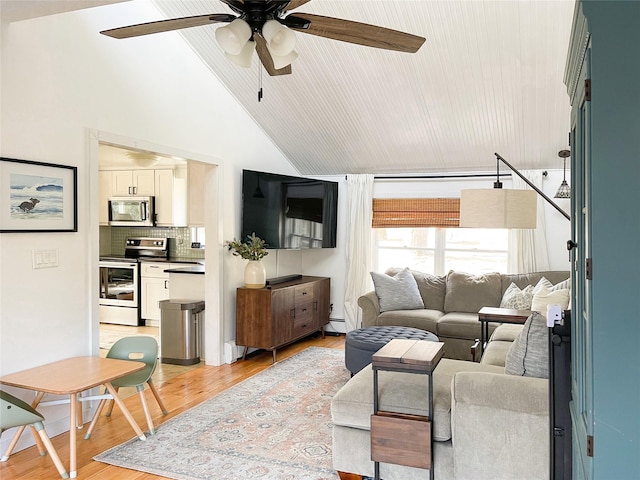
x=233, y=37
x=498, y=208
x=280, y=40
x=243, y=59
x=281, y=61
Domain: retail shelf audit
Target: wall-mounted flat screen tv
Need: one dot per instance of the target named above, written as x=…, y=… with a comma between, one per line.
x=289, y=212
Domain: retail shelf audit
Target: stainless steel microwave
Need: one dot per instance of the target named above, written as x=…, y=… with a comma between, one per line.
x=132, y=211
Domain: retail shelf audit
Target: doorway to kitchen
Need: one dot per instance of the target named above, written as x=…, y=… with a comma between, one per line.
x=207, y=192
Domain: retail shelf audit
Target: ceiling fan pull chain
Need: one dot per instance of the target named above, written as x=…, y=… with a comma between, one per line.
x=259, y=83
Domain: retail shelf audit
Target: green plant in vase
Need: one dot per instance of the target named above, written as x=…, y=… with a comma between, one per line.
x=253, y=249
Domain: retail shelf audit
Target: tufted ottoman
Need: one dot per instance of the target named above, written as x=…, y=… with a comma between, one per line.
x=362, y=343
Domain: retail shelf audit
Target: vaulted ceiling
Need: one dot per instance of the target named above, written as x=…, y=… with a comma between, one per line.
x=489, y=78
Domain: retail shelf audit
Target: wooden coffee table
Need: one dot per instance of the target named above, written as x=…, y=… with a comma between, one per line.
x=396, y=437
x=499, y=315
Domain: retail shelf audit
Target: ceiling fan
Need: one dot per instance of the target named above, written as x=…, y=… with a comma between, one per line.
x=266, y=26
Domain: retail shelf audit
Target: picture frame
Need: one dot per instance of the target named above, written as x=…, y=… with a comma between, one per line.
x=37, y=197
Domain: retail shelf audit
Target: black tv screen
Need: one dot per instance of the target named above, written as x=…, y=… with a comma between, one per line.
x=289, y=212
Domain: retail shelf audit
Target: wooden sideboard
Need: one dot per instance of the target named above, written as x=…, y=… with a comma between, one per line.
x=277, y=315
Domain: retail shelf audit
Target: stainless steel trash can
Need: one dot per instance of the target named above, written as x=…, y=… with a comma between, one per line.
x=181, y=331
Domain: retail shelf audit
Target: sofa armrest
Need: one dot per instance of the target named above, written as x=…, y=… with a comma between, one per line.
x=370, y=308
x=495, y=418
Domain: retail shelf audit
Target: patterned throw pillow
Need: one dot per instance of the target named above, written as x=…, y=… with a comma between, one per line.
x=528, y=355
x=399, y=292
x=517, y=299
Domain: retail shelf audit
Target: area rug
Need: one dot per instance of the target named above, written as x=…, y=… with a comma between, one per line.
x=275, y=425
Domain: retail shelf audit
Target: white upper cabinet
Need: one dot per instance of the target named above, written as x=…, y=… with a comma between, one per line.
x=139, y=183
x=197, y=174
x=171, y=197
x=168, y=186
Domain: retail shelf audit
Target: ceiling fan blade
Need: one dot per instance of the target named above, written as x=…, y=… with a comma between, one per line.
x=167, y=25
x=266, y=59
x=293, y=4
x=355, y=32
x=235, y=5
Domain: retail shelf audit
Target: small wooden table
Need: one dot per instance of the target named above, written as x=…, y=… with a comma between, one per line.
x=396, y=437
x=500, y=315
x=70, y=377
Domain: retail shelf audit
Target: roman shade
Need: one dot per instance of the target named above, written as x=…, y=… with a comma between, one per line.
x=416, y=212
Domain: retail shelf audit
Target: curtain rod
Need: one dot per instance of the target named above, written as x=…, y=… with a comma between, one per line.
x=418, y=177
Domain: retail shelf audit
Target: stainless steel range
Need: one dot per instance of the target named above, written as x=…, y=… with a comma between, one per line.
x=119, y=301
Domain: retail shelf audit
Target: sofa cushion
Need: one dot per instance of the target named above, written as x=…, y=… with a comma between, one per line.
x=517, y=299
x=507, y=332
x=399, y=292
x=422, y=318
x=528, y=355
x=469, y=293
x=460, y=325
x=432, y=287
x=402, y=392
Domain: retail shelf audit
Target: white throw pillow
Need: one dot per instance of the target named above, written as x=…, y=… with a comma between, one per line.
x=544, y=296
x=399, y=292
x=517, y=299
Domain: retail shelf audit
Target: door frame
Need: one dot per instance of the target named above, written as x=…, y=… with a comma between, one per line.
x=213, y=338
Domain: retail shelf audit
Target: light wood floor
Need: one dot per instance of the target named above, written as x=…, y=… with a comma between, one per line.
x=178, y=393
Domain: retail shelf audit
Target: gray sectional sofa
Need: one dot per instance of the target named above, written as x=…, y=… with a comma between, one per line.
x=487, y=424
x=451, y=305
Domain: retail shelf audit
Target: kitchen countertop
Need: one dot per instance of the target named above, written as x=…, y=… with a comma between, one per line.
x=197, y=270
x=194, y=261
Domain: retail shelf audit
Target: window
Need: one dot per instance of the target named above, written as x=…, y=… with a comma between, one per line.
x=438, y=250
x=422, y=234
x=198, y=237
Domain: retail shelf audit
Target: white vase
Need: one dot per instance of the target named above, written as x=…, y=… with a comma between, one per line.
x=255, y=275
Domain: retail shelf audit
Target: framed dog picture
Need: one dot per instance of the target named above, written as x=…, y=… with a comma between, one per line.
x=37, y=197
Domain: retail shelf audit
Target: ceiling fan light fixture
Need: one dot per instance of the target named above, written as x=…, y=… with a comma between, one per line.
x=234, y=37
x=280, y=40
x=243, y=59
x=281, y=61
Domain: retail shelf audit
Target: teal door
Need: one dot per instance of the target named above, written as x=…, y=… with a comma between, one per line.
x=582, y=342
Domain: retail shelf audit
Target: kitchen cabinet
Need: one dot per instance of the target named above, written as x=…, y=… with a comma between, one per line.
x=105, y=184
x=270, y=318
x=171, y=197
x=168, y=186
x=197, y=172
x=154, y=286
x=139, y=183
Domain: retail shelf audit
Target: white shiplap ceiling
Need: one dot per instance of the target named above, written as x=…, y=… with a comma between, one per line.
x=489, y=78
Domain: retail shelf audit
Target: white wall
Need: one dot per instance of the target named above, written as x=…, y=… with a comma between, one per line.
x=60, y=78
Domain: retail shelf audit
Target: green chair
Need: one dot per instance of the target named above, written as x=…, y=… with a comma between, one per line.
x=140, y=349
x=16, y=413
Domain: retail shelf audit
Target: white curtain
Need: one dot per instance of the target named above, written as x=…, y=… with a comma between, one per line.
x=360, y=211
x=528, y=247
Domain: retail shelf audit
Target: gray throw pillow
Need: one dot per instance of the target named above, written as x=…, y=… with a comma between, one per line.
x=432, y=287
x=528, y=355
x=469, y=293
x=399, y=292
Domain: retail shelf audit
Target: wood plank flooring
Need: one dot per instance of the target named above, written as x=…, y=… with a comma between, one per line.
x=178, y=394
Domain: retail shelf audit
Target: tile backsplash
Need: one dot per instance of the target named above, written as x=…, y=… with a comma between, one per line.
x=179, y=247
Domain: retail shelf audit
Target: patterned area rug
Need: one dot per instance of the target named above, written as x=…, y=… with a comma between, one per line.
x=272, y=426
